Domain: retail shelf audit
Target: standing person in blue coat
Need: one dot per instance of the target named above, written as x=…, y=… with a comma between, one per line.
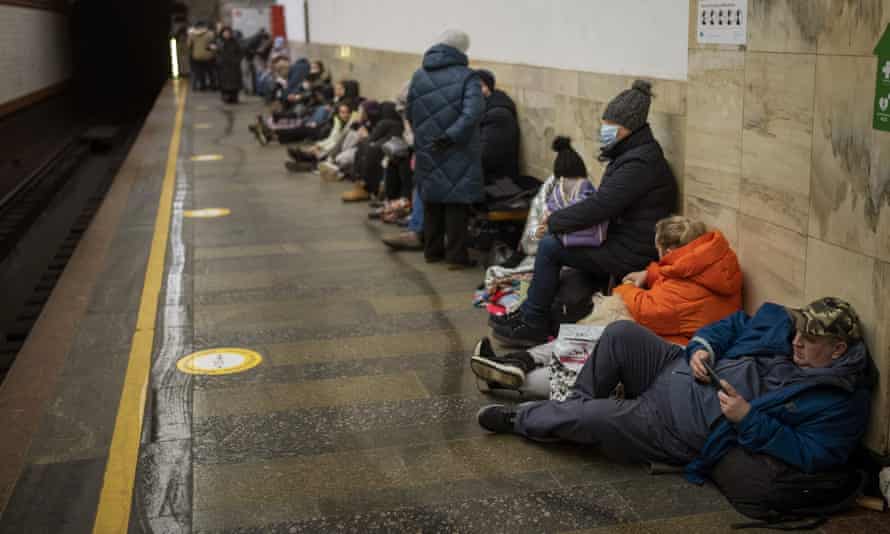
x=796, y=386
x=445, y=106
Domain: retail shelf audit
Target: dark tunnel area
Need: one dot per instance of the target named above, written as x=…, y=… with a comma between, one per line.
x=121, y=57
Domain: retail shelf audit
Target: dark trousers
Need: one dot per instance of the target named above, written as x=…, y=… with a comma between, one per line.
x=637, y=428
x=369, y=166
x=298, y=134
x=398, y=179
x=552, y=256
x=204, y=75
x=445, y=232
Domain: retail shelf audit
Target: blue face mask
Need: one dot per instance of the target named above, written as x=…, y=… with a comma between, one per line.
x=608, y=134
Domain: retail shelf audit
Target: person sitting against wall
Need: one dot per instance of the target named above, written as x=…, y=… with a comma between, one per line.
x=794, y=395
x=306, y=158
x=339, y=164
x=319, y=120
x=369, y=155
x=499, y=130
x=696, y=281
x=637, y=189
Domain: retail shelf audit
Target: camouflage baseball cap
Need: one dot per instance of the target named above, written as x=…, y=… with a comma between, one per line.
x=828, y=316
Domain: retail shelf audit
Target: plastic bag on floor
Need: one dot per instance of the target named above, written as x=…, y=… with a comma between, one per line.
x=572, y=348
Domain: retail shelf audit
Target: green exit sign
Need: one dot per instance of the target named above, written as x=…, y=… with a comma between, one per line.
x=882, y=85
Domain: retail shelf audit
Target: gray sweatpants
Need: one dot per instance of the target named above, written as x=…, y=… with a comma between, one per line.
x=636, y=428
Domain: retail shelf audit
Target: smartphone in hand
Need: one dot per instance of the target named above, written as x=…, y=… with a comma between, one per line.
x=715, y=378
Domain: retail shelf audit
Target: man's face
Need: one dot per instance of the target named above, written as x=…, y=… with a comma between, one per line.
x=815, y=351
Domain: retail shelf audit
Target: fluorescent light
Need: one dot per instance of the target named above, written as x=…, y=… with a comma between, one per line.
x=174, y=58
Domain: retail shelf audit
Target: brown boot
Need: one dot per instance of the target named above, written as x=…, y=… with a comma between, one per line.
x=404, y=241
x=357, y=194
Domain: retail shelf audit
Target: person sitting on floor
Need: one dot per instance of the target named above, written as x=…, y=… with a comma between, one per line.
x=340, y=162
x=638, y=189
x=499, y=130
x=369, y=155
x=305, y=159
x=696, y=281
x=795, y=386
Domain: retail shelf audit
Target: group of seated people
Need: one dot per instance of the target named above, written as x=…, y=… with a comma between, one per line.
x=685, y=377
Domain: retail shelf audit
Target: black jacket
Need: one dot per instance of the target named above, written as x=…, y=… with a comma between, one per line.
x=389, y=125
x=637, y=190
x=229, y=56
x=500, y=137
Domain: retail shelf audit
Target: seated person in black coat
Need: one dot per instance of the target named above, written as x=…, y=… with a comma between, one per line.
x=638, y=188
x=500, y=132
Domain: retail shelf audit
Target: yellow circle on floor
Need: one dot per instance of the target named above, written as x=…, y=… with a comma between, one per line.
x=206, y=213
x=203, y=126
x=222, y=361
x=206, y=157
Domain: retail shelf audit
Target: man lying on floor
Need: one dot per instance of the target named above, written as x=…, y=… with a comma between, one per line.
x=796, y=385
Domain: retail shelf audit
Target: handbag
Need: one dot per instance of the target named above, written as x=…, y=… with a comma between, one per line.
x=564, y=196
x=396, y=147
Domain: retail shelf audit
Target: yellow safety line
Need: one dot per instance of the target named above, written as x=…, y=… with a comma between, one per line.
x=113, y=514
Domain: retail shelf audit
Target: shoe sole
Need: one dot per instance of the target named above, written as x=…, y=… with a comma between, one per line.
x=516, y=343
x=507, y=376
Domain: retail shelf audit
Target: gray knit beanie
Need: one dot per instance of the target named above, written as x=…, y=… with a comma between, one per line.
x=631, y=107
x=455, y=39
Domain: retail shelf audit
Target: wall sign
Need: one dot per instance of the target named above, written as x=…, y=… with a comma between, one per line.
x=882, y=85
x=723, y=22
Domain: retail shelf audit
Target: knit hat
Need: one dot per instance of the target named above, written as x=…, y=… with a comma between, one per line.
x=487, y=77
x=456, y=39
x=631, y=107
x=568, y=163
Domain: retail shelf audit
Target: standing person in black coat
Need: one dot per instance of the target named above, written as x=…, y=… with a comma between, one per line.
x=638, y=189
x=230, y=56
x=500, y=131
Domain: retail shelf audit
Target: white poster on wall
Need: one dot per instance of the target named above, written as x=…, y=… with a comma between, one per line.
x=250, y=20
x=723, y=22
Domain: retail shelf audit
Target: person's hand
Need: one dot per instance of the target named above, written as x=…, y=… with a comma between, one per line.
x=637, y=278
x=541, y=231
x=443, y=142
x=292, y=97
x=733, y=405
x=698, y=368
x=363, y=132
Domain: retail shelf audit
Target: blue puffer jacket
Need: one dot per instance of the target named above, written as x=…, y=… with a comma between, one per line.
x=813, y=424
x=445, y=98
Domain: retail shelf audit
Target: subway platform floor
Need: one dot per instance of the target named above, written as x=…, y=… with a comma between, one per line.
x=360, y=416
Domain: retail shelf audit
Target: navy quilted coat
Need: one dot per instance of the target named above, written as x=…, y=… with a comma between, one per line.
x=446, y=99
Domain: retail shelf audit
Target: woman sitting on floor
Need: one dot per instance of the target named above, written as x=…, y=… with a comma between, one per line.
x=696, y=281
x=306, y=158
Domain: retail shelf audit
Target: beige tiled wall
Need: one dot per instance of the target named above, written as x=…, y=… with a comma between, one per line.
x=781, y=155
x=772, y=143
x=550, y=101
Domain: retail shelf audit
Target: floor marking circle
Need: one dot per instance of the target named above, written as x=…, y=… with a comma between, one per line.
x=203, y=126
x=222, y=361
x=206, y=157
x=206, y=213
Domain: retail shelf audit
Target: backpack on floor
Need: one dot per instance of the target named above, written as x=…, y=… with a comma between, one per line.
x=574, y=298
x=781, y=497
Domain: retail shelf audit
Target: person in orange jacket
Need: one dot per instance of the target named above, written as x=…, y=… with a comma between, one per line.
x=696, y=281
x=690, y=286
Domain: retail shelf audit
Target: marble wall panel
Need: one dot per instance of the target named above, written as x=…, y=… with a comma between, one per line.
x=845, y=207
x=853, y=27
x=864, y=282
x=777, y=138
x=716, y=216
x=537, y=117
x=785, y=25
x=715, y=97
x=774, y=263
x=669, y=95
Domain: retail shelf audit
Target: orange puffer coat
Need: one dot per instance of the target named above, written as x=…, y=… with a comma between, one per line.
x=692, y=286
